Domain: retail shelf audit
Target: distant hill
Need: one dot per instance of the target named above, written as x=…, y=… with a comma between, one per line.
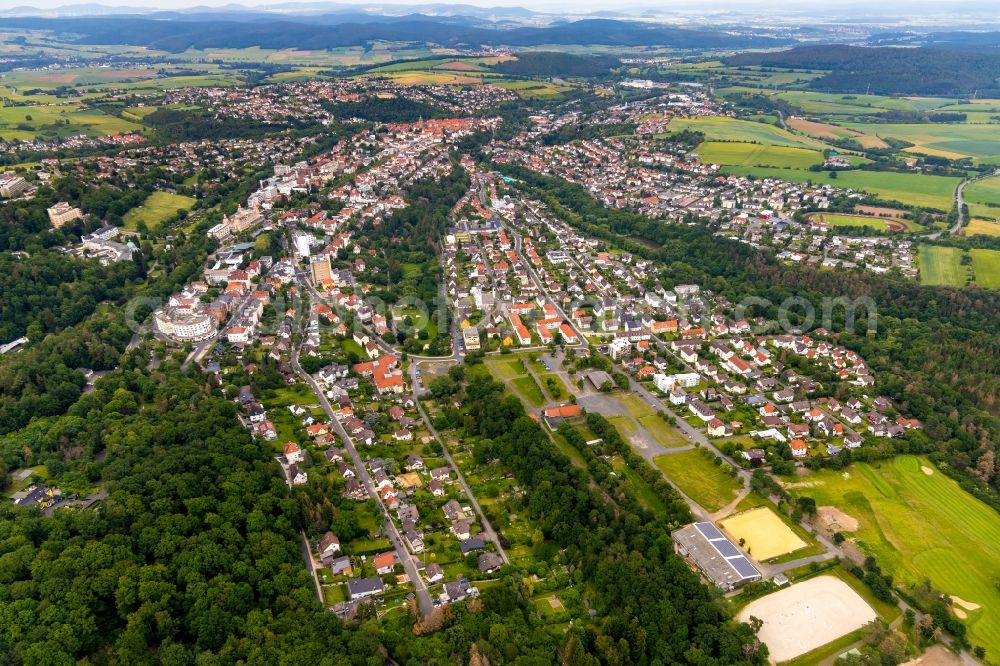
x=197, y=32
x=891, y=71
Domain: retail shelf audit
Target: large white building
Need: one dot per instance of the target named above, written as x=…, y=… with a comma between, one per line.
x=303, y=244
x=185, y=327
x=12, y=186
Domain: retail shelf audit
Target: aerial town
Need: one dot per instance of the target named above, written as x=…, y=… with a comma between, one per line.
x=449, y=349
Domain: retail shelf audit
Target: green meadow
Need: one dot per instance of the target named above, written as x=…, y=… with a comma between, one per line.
x=755, y=154
x=723, y=128
x=699, y=478
x=983, y=198
x=986, y=266
x=157, y=207
x=942, y=266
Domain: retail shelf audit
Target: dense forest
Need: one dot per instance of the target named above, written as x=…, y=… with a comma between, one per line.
x=49, y=292
x=934, y=350
x=549, y=63
x=888, y=71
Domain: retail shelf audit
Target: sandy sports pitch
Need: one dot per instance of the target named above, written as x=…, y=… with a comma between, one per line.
x=763, y=532
x=807, y=615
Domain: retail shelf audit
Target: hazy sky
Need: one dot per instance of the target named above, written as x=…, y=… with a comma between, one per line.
x=846, y=8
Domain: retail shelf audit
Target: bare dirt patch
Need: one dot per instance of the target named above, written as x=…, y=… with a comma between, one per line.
x=554, y=602
x=832, y=519
x=936, y=655
x=880, y=211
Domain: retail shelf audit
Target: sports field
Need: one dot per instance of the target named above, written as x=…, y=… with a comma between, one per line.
x=764, y=534
x=699, y=478
x=157, y=207
x=919, y=524
x=755, y=154
x=807, y=615
x=723, y=128
x=986, y=266
x=910, y=189
x=844, y=220
x=942, y=266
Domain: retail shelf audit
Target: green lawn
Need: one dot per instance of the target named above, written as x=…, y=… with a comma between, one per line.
x=157, y=207
x=922, y=526
x=699, y=478
x=554, y=386
x=663, y=432
x=755, y=154
x=910, y=189
x=986, y=266
x=507, y=369
x=528, y=387
x=635, y=405
x=941, y=266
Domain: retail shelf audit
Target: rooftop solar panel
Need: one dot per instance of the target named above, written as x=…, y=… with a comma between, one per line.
x=727, y=549
x=743, y=567
x=710, y=531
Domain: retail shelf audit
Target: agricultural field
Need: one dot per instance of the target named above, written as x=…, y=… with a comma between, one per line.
x=157, y=207
x=986, y=266
x=755, y=154
x=813, y=102
x=983, y=198
x=723, y=128
x=981, y=227
x=829, y=131
x=65, y=119
x=904, y=504
x=45, y=79
x=699, y=478
x=942, y=266
x=951, y=140
x=910, y=189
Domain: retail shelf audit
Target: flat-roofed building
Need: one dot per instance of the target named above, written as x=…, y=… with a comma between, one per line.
x=714, y=555
x=321, y=270
x=62, y=212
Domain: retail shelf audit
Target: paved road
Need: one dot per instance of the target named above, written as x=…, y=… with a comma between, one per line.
x=310, y=564
x=488, y=530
